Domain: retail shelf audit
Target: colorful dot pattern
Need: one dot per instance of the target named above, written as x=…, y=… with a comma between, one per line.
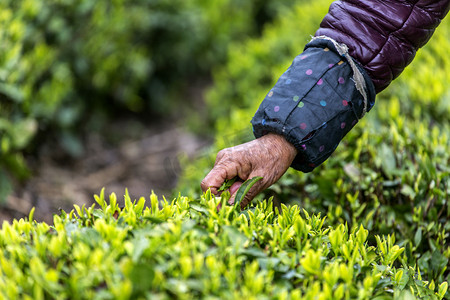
x=313, y=104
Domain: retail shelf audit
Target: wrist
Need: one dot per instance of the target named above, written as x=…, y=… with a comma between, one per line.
x=278, y=143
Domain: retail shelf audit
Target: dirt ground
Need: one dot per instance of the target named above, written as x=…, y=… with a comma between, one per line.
x=141, y=164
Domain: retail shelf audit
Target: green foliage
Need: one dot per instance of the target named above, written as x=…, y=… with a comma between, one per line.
x=252, y=69
x=68, y=66
x=188, y=249
x=253, y=66
x=390, y=174
x=244, y=189
x=227, y=184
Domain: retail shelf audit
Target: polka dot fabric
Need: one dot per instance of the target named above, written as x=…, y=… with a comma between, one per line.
x=314, y=104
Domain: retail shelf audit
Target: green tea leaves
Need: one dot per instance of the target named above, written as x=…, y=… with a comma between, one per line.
x=227, y=184
x=186, y=248
x=244, y=189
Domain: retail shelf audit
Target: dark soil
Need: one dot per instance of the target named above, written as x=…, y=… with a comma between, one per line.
x=147, y=161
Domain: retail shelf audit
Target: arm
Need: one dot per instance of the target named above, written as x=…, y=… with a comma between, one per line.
x=383, y=35
x=316, y=101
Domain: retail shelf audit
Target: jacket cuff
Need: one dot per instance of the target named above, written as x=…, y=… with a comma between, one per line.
x=314, y=104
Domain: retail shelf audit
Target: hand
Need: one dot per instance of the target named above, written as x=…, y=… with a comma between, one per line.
x=269, y=157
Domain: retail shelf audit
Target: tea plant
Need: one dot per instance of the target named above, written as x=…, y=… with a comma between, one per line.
x=188, y=249
x=67, y=67
x=391, y=172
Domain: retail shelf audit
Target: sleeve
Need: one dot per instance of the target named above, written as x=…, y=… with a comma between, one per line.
x=315, y=103
x=319, y=98
x=374, y=30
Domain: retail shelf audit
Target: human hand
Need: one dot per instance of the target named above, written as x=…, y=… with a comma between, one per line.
x=269, y=157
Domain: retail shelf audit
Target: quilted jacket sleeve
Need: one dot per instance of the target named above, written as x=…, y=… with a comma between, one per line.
x=383, y=35
x=316, y=102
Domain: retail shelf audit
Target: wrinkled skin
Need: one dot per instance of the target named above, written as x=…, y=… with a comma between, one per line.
x=269, y=157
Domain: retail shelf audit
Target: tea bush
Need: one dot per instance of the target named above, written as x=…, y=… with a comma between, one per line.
x=188, y=249
x=69, y=66
x=390, y=174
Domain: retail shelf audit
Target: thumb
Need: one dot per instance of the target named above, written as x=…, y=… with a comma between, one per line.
x=235, y=186
x=233, y=190
x=251, y=194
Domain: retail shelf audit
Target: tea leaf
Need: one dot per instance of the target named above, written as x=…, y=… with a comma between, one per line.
x=227, y=184
x=244, y=189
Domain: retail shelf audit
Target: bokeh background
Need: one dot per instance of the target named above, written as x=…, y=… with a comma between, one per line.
x=143, y=93
x=109, y=93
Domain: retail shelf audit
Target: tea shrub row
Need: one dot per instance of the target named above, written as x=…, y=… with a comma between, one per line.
x=390, y=174
x=70, y=66
x=188, y=249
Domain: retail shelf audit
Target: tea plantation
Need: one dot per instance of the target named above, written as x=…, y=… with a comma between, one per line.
x=390, y=174
x=373, y=222
x=71, y=67
x=189, y=249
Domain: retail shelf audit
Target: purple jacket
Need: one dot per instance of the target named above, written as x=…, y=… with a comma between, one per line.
x=383, y=35
x=324, y=93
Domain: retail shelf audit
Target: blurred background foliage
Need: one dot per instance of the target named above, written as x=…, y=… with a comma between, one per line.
x=69, y=67
x=391, y=173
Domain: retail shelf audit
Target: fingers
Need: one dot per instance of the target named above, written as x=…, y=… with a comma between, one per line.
x=217, y=176
x=234, y=188
x=257, y=188
x=230, y=162
x=213, y=180
x=269, y=157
